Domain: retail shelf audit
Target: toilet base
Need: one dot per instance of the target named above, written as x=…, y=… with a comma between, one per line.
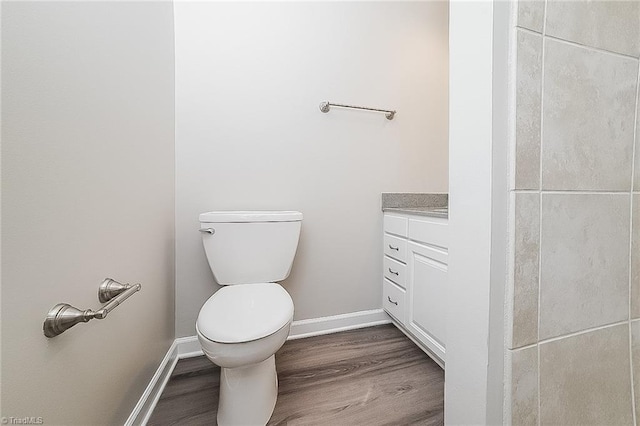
x=248, y=394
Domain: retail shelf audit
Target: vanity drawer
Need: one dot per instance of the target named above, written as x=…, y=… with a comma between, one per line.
x=434, y=232
x=395, y=247
x=396, y=225
x=393, y=300
x=395, y=271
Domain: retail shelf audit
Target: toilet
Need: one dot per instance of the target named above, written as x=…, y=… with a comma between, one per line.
x=243, y=324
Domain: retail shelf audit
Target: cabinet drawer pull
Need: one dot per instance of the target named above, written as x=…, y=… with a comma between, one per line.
x=391, y=301
x=393, y=272
x=393, y=248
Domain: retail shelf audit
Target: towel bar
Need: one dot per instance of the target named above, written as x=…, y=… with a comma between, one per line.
x=326, y=106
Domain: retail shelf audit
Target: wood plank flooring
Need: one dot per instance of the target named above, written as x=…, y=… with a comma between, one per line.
x=371, y=376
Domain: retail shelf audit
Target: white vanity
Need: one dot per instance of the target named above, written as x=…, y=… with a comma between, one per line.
x=414, y=279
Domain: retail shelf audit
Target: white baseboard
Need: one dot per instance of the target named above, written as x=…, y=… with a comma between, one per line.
x=143, y=409
x=336, y=323
x=187, y=347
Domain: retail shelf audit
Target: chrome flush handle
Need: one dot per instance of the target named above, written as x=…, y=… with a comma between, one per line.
x=209, y=231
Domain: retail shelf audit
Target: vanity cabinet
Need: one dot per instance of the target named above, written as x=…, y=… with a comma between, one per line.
x=414, y=284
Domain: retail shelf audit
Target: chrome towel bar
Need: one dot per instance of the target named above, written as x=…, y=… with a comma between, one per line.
x=326, y=106
x=64, y=316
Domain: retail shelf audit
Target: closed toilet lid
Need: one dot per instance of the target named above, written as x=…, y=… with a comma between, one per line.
x=245, y=312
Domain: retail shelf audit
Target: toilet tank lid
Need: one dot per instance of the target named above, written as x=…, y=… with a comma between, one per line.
x=250, y=216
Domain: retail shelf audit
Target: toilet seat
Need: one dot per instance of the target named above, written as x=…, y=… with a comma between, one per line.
x=245, y=312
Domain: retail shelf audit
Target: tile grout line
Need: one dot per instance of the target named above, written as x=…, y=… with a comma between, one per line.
x=528, y=30
x=574, y=43
x=524, y=191
x=571, y=192
x=590, y=48
x=584, y=192
x=581, y=332
x=571, y=334
x=542, y=62
x=633, y=171
x=522, y=348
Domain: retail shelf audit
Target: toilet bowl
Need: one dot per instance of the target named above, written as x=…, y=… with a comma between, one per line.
x=240, y=328
x=242, y=325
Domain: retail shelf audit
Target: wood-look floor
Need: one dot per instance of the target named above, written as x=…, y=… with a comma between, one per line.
x=371, y=376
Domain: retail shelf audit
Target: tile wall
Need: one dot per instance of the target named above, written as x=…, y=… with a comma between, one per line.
x=573, y=340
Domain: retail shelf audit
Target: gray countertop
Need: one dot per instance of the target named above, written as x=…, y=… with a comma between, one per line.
x=442, y=212
x=433, y=205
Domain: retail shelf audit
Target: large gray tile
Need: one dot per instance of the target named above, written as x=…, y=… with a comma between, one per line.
x=609, y=25
x=584, y=280
x=635, y=357
x=524, y=386
x=588, y=110
x=585, y=379
x=526, y=262
x=530, y=14
x=528, y=98
x=635, y=259
x=635, y=363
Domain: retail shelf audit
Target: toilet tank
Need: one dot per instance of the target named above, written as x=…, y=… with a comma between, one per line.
x=245, y=247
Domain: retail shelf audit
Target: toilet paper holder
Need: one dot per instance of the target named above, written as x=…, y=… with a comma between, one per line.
x=63, y=316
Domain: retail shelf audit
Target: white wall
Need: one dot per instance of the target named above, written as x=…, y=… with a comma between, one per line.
x=477, y=212
x=249, y=134
x=87, y=192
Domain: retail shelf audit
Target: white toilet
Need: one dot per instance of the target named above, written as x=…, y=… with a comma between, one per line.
x=243, y=324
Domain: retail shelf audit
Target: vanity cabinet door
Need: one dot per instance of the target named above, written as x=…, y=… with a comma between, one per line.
x=427, y=291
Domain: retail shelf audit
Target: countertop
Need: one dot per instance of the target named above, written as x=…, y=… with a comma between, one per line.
x=433, y=205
